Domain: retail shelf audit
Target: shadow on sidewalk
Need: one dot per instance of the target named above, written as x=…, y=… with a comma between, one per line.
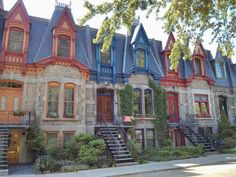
x=21, y=169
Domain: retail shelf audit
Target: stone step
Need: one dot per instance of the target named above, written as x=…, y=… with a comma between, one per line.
x=127, y=164
x=122, y=160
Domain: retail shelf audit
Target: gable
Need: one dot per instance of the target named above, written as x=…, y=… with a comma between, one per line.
x=18, y=13
x=170, y=42
x=65, y=22
x=199, y=50
x=140, y=36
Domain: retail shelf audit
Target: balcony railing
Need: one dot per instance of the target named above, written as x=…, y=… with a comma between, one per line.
x=15, y=120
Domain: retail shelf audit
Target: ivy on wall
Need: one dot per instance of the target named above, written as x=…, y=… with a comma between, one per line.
x=160, y=111
x=126, y=105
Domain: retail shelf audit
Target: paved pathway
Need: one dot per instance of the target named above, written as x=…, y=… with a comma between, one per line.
x=149, y=167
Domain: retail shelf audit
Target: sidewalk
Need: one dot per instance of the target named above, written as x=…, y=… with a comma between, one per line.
x=149, y=167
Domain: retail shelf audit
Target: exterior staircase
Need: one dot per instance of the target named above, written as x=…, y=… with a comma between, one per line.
x=3, y=150
x=116, y=145
x=196, y=138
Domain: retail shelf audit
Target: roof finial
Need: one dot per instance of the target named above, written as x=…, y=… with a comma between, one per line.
x=60, y=4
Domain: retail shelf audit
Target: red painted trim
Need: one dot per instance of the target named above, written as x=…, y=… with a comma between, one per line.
x=18, y=4
x=65, y=14
x=200, y=106
x=170, y=39
x=170, y=99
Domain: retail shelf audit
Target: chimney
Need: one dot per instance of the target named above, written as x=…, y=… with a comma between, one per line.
x=1, y=5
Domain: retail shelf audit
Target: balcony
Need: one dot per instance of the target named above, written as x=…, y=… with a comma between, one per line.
x=14, y=120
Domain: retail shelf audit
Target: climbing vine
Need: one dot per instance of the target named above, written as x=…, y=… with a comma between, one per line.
x=126, y=104
x=160, y=110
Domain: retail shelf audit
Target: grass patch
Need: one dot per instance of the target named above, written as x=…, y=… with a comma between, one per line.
x=230, y=151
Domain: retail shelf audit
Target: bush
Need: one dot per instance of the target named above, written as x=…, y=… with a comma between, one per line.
x=172, y=153
x=46, y=163
x=229, y=143
x=54, y=150
x=232, y=151
x=92, y=152
x=76, y=143
x=135, y=150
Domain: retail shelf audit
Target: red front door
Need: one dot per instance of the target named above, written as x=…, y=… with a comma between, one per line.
x=104, y=106
x=172, y=99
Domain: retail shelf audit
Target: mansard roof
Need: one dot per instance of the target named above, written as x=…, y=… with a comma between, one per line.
x=41, y=43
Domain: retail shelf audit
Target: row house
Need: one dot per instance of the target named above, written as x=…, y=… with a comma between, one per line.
x=50, y=71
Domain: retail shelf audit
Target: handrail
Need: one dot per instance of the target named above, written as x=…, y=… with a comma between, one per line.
x=114, y=139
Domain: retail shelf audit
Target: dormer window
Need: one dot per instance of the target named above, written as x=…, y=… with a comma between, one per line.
x=63, y=49
x=170, y=68
x=105, y=57
x=198, y=67
x=140, y=58
x=15, y=40
x=220, y=70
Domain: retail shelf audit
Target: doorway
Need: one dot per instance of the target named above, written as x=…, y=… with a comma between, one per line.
x=13, y=147
x=105, y=105
x=173, y=107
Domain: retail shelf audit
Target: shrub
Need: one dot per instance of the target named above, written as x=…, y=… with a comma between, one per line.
x=135, y=149
x=92, y=152
x=229, y=143
x=76, y=143
x=46, y=163
x=54, y=150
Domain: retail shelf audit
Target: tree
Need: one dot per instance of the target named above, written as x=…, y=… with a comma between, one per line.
x=189, y=18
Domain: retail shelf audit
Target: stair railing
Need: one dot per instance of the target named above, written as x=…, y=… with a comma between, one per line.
x=113, y=138
x=25, y=119
x=118, y=125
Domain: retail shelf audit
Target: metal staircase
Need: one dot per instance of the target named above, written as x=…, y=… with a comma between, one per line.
x=116, y=144
x=3, y=150
x=195, y=138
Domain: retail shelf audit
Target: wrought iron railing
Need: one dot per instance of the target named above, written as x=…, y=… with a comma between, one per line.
x=23, y=119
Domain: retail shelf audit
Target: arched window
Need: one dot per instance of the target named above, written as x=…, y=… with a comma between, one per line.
x=16, y=103
x=69, y=100
x=137, y=101
x=63, y=48
x=53, y=100
x=15, y=40
x=105, y=57
x=198, y=67
x=140, y=58
x=3, y=103
x=148, y=101
x=220, y=70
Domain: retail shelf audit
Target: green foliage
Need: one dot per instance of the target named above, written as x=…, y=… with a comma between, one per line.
x=231, y=151
x=92, y=153
x=36, y=141
x=54, y=150
x=135, y=149
x=190, y=19
x=75, y=143
x=225, y=132
x=172, y=153
x=47, y=163
x=126, y=105
x=160, y=110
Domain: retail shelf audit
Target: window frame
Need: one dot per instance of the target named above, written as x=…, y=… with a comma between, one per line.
x=140, y=103
x=222, y=74
x=72, y=133
x=15, y=29
x=201, y=66
x=169, y=70
x=70, y=86
x=68, y=38
x=51, y=132
x=151, y=101
x=101, y=54
x=53, y=85
x=144, y=59
x=154, y=137
x=199, y=102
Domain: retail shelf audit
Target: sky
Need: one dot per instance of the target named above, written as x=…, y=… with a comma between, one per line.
x=153, y=28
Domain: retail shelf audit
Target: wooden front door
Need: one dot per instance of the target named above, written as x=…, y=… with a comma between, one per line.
x=173, y=107
x=10, y=100
x=104, y=106
x=13, y=147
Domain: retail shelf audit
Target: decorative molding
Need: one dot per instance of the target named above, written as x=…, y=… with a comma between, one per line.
x=60, y=4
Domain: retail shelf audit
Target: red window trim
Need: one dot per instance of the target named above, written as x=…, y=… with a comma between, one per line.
x=73, y=86
x=8, y=40
x=201, y=115
x=63, y=36
x=203, y=71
